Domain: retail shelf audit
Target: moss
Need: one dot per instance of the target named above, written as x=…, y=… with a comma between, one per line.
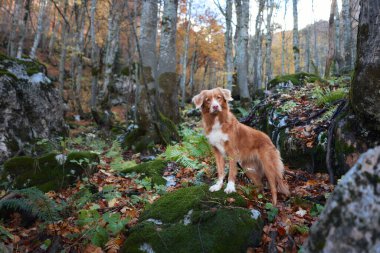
x=32, y=66
x=297, y=79
x=215, y=225
x=168, y=130
x=153, y=169
x=45, y=172
x=7, y=73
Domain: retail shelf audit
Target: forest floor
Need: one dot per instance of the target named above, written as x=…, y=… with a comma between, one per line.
x=89, y=222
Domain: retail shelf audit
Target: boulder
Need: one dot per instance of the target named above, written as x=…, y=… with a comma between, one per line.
x=153, y=169
x=350, y=220
x=195, y=220
x=49, y=172
x=30, y=106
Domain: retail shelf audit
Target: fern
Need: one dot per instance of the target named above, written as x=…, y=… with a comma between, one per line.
x=194, y=147
x=115, y=153
x=34, y=202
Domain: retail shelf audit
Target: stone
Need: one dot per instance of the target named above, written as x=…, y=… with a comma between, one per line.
x=350, y=220
x=51, y=171
x=195, y=220
x=30, y=107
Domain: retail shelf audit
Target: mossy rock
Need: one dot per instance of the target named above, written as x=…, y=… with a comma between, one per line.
x=4, y=72
x=195, y=220
x=296, y=79
x=153, y=169
x=47, y=172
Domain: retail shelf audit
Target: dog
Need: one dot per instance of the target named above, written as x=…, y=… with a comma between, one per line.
x=252, y=149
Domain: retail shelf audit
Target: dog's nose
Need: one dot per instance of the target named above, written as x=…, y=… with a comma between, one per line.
x=215, y=107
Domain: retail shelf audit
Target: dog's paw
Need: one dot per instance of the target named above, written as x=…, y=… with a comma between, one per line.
x=216, y=187
x=230, y=187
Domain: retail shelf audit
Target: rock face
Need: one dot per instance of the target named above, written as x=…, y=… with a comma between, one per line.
x=350, y=220
x=195, y=220
x=30, y=106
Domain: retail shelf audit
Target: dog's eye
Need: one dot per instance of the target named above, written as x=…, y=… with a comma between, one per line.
x=218, y=97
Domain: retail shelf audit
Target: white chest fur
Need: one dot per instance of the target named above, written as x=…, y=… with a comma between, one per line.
x=216, y=137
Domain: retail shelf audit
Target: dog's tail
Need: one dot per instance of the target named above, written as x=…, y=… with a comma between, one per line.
x=282, y=186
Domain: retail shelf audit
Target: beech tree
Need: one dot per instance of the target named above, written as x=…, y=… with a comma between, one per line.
x=296, y=49
x=64, y=40
x=268, y=41
x=242, y=16
x=23, y=29
x=40, y=27
x=257, y=53
x=185, y=56
x=332, y=46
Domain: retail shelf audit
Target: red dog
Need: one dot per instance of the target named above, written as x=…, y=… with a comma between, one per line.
x=229, y=138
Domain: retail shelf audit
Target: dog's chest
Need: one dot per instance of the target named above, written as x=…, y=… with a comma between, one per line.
x=217, y=137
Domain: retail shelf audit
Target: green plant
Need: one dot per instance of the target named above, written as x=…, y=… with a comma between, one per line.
x=100, y=227
x=190, y=151
x=316, y=210
x=272, y=211
x=243, y=112
x=288, y=106
x=326, y=96
x=5, y=234
x=118, y=163
x=33, y=202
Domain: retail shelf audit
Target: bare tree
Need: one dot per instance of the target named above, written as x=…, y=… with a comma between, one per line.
x=316, y=54
x=331, y=52
x=13, y=31
x=268, y=41
x=23, y=29
x=283, y=46
x=347, y=33
x=257, y=53
x=53, y=36
x=64, y=40
x=296, y=49
x=94, y=57
x=185, y=57
x=242, y=16
x=40, y=27
x=167, y=76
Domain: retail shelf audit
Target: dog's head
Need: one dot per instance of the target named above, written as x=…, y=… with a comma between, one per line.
x=212, y=101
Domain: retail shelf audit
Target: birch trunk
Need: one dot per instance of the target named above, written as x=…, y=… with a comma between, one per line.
x=40, y=27
x=23, y=29
x=331, y=52
x=283, y=46
x=257, y=62
x=13, y=31
x=316, y=54
x=184, y=59
x=167, y=77
x=64, y=35
x=347, y=34
x=268, y=41
x=242, y=16
x=147, y=43
x=94, y=57
x=296, y=49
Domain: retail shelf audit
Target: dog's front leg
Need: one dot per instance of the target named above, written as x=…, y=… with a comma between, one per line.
x=231, y=177
x=220, y=167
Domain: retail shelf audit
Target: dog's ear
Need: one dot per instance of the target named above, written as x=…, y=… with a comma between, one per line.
x=227, y=95
x=198, y=100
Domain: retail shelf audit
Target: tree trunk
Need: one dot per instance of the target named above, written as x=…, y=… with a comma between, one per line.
x=338, y=56
x=316, y=54
x=268, y=41
x=257, y=64
x=184, y=59
x=167, y=76
x=331, y=52
x=13, y=31
x=228, y=45
x=296, y=49
x=40, y=27
x=365, y=87
x=242, y=16
x=147, y=43
x=307, y=50
x=64, y=39
x=53, y=37
x=347, y=34
x=23, y=29
x=192, y=71
x=94, y=57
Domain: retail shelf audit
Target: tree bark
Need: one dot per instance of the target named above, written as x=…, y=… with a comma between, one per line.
x=13, y=31
x=257, y=58
x=268, y=41
x=185, y=57
x=228, y=45
x=242, y=16
x=167, y=76
x=64, y=39
x=53, y=37
x=316, y=54
x=364, y=94
x=347, y=34
x=94, y=57
x=39, y=31
x=307, y=49
x=23, y=29
x=296, y=49
x=331, y=52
